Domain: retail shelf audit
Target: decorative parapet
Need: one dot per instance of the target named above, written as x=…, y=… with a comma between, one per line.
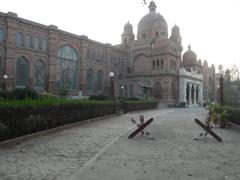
x=183, y=72
x=153, y=73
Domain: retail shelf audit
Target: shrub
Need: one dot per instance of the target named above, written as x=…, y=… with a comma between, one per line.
x=25, y=93
x=133, y=99
x=20, y=117
x=48, y=96
x=233, y=112
x=63, y=92
x=98, y=97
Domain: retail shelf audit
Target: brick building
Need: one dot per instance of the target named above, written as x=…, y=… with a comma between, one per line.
x=46, y=58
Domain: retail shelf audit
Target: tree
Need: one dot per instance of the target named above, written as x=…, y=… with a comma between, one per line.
x=235, y=73
x=232, y=86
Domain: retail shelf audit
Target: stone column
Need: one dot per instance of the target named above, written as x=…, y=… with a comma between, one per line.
x=197, y=93
x=190, y=93
x=182, y=90
x=200, y=94
x=194, y=94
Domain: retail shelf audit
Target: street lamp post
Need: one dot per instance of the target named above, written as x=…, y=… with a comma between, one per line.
x=5, y=77
x=111, y=75
x=221, y=89
x=122, y=91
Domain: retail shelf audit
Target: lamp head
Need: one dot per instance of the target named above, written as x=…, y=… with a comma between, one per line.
x=111, y=74
x=5, y=76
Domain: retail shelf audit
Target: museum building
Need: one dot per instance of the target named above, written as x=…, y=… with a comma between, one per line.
x=46, y=58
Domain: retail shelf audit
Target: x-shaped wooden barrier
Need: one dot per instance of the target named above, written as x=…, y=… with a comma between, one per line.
x=208, y=130
x=140, y=128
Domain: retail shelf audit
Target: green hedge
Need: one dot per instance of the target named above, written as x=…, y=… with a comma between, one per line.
x=141, y=104
x=20, y=117
x=233, y=113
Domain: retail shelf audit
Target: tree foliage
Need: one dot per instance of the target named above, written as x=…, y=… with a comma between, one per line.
x=232, y=86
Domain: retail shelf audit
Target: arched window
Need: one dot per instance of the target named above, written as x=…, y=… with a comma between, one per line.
x=162, y=63
x=102, y=60
x=121, y=90
x=1, y=34
x=19, y=39
x=39, y=73
x=157, y=64
x=173, y=91
x=131, y=90
x=100, y=80
x=40, y=44
x=90, y=79
x=22, y=72
x=28, y=41
x=36, y=43
x=157, y=90
x=67, y=67
x=93, y=56
x=210, y=81
x=120, y=76
x=44, y=44
x=125, y=90
x=88, y=54
x=153, y=65
x=111, y=59
x=0, y=66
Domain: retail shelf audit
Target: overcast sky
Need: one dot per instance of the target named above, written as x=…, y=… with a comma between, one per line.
x=212, y=27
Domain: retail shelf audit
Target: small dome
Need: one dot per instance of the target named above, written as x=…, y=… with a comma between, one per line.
x=128, y=28
x=175, y=29
x=200, y=62
x=189, y=57
x=151, y=21
x=205, y=63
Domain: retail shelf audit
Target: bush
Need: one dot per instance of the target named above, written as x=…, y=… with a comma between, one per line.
x=63, y=92
x=48, y=96
x=98, y=97
x=233, y=112
x=133, y=99
x=25, y=93
x=5, y=95
x=20, y=117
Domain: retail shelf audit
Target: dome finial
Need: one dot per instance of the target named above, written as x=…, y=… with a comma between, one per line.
x=152, y=7
x=189, y=47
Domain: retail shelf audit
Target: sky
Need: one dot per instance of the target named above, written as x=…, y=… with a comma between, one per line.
x=211, y=27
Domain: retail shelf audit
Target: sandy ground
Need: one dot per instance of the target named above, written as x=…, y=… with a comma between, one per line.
x=176, y=153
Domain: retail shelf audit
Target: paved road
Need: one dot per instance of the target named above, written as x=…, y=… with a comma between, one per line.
x=61, y=154
x=176, y=153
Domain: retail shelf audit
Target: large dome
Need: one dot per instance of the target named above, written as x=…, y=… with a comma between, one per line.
x=189, y=57
x=152, y=22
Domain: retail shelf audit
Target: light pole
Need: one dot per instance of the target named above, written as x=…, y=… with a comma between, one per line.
x=221, y=89
x=122, y=91
x=111, y=75
x=5, y=77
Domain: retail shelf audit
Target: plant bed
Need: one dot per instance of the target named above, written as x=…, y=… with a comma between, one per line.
x=21, y=117
x=233, y=113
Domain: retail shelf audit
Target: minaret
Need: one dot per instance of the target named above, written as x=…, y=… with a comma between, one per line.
x=127, y=35
x=176, y=37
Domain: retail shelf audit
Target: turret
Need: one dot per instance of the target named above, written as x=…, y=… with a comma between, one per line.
x=127, y=35
x=176, y=37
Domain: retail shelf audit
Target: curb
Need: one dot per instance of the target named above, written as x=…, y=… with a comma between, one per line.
x=53, y=130
x=233, y=124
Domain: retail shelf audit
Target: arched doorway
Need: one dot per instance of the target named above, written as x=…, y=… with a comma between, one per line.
x=188, y=94
x=157, y=90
